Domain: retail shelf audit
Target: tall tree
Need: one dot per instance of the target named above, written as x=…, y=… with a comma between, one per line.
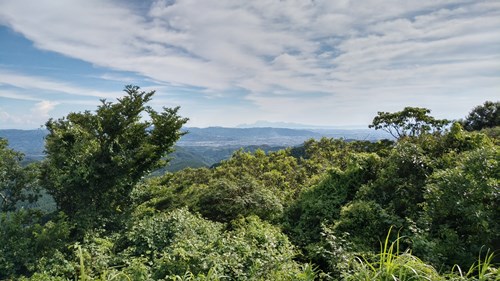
x=483, y=116
x=410, y=122
x=95, y=159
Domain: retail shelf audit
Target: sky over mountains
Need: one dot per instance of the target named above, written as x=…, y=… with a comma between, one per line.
x=329, y=63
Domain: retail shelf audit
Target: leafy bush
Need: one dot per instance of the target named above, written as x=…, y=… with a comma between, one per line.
x=365, y=223
x=322, y=203
x=225, y=200
x=27, y=238
x=278, y=171
x=399, y=185
x=256, y=250
x=178, y=242
x=461, y=207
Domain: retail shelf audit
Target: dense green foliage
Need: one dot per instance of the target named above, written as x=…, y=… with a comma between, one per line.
x=424, y=207
x=483, y=116
x=94, y=160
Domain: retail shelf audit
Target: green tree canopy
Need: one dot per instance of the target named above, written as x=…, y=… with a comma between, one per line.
x=225, y=200
x=483, y=116
x=95, y=159
x=462, y=207
x=411, y=122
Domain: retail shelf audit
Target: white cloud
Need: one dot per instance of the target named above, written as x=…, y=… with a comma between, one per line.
x=35, y=83
x=42, y=108
x=305, y=55
x=17, y=96
x=32, y=118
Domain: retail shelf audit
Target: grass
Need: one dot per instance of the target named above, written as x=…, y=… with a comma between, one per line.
x=483, y=270
x=104, y=276
x=390, y=264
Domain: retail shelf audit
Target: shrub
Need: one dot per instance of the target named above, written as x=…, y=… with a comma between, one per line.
x=26, y=238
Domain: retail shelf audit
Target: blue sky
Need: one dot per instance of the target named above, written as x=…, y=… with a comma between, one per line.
x=226, y=62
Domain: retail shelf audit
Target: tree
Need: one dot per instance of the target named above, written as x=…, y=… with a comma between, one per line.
x=276, y=171
x=483, y=116
x=410, y=122
x=225, y=200
x=94, y=159
x=399, y=184
x=17, y=183
x=462, y=207
x=322, y=203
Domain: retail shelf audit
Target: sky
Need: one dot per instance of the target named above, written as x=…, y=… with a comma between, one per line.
x=228, y=62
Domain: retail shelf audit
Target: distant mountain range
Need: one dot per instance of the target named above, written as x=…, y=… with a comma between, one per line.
x=29, y=142
x=221, y=136
x=288, y=125
x=206, y=146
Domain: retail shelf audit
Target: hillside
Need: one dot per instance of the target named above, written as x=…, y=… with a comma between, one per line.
x=29, y=142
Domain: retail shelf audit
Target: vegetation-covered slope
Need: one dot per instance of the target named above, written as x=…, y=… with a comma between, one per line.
x=422, y=207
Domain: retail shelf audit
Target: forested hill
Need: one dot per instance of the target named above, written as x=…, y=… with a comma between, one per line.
x=29, y=142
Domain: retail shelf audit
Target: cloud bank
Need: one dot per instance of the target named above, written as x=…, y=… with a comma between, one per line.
x=301, y=61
